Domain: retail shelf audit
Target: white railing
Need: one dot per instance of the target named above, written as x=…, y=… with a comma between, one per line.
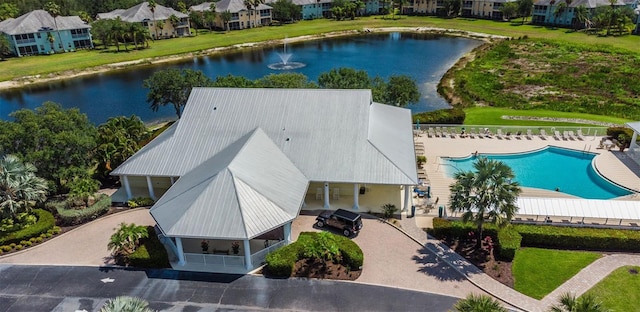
x=258, y=257
x=208, y=259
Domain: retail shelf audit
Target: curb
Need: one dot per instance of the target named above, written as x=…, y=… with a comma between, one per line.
x=452, y=265
x=71, y=231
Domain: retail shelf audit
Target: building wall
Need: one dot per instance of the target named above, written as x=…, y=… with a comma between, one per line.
x=168, y=30
x=375, y=195
x=38, y=43
x=245, y=19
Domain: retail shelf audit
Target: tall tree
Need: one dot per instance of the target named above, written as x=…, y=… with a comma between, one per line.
x=54, y=10
x=58, y=142
x=509, y=9
x=20, y=188
x=117, y=140
x=8, y=10
x=525, y=7
x=488, y=193
x=401, y=90
x=195, y=18
x=478, y=303
x=285, y=11
x=5, y=47
x=582, y=17
x=210, y=15
x=586, y=303
x=173, y=86
x=344, y=78
x=125, y=240
x=152, y=7
x=226, y=17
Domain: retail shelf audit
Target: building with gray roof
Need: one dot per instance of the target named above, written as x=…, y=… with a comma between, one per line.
x=241, y=163
x=241, y=16
x=37, y=32
x=162, y=22
x=547, y=12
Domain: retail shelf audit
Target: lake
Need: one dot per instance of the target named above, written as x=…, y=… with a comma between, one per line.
x=424, y=57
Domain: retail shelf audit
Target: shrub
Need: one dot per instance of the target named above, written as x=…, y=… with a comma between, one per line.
x=615, y=132
x=441, y=116
x=56, y=230
x=33, y=239
x=508, y=243
x=45, y=222
x=19, y=247
x=388, y=210
x=27, y=244
x=6, y=248
x=579, y=238
x=12, y=245
x=140, y=202
x=280, y=263
x=150, y=253
x=455, y=229
x=70, y=216
x=39, y=239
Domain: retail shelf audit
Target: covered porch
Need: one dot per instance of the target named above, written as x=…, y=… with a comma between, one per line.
x=355, y=196
x=219, y=255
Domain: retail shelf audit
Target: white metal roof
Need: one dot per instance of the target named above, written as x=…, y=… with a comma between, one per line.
x=330, y=135
x=141, y=12
x=634, y=125
x=40, y=20
x=245, y=190
x=588, y=208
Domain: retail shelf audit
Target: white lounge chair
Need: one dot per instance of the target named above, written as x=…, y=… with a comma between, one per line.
x=430, y=132
x=579, y=135
x=438, y=132
x=529, y=134
x=499, y=134
x=543, y=134
x=571, y=135
x=565, y=135
x=472, y=133
x=445, y=132
x=518, y=135
x=453, y=133
x=508, y=135
x=556, y=135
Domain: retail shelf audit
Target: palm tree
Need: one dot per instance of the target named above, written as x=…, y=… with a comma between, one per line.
x=586, y=303
x=175, y=21
x=210, y=15
x=478, y=303
x=195, y=18
x=488, y=193
x=126, y=304
x=20, y=188
x=5, y=47
x=612, y=15
x=54, y=10
x=226, y=17
x=152, y=7
x=126, y=238
x=560, y=9
x=582, y=16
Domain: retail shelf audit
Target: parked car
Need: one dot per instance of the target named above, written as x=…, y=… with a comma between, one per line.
x=346, y=221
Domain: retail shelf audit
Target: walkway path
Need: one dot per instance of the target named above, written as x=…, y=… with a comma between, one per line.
x=85, y=245
x=577, y=285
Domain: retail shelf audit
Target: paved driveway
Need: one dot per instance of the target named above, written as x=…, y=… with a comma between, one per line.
x=393, y=259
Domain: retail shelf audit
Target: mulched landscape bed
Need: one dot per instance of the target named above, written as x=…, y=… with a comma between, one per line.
x=324, y=270
x=483, y=258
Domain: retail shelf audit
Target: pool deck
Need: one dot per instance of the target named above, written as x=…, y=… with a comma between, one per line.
x=614, y=165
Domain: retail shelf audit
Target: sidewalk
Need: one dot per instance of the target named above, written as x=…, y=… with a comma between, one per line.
x=577, y=285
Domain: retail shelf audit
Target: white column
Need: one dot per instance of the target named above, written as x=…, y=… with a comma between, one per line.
x=634, y=137
x=181, y=260
x=150, y=187
x=356, y=194
x=172, y=180
x=247, y=255
x=287, y=232
x=326, y=194
x=127, y=188
x=407, y=197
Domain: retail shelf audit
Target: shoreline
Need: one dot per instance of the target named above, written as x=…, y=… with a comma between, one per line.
x=20, y=82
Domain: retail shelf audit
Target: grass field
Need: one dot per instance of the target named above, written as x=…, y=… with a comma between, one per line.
x=537, y=272
x=42, y=65
x=619, y=290
x=493, y=116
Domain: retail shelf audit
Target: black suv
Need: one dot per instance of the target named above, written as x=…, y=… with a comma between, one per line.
x=346, y=221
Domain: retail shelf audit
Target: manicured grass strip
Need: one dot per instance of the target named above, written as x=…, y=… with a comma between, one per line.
x=537, y=272
x=619, y=290
x=26, y=66
x=493, y=116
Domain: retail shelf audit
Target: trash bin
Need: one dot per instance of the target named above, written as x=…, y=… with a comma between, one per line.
x=440, y=211
x=413, y=211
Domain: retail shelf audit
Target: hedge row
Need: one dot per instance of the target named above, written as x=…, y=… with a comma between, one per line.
x=441, y=116
x=151, y=253
x=281, y=262
x=69, y=216
x=511, y=238
x=579, y=238
x=45, y=222
x=140, y=202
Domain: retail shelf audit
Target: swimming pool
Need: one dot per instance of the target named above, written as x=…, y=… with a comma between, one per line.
x=551, y=168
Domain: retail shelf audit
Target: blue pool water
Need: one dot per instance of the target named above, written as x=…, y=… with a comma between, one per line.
x=549, y=168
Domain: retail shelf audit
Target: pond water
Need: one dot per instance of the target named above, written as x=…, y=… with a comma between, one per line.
x=423, y=57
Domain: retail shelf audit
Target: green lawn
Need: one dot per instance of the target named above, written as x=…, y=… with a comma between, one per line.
x=537, y=272
x=492, y=116
x=35, y=65
x=620, y=290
